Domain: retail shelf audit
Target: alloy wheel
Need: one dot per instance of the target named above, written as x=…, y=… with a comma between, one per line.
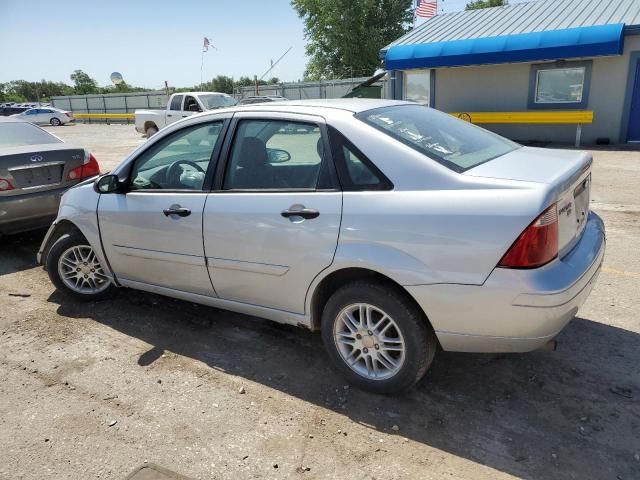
x=369, y=341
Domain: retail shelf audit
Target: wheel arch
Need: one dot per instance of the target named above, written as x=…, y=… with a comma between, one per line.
x=337, y=278
x=150, y=123
x=58, y=229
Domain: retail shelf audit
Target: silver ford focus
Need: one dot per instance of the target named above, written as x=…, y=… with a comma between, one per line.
x=392, y=228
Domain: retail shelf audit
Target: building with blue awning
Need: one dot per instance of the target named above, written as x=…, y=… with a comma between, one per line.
x=554, y=55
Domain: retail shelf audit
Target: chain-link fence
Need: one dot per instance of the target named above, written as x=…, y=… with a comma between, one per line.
x=308, y=90
x=111, y=102
x=129, y=102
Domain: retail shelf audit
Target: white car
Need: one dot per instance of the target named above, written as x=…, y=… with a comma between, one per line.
x=42, y=116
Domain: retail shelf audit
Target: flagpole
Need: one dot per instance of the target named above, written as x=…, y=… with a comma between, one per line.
x=201, y=65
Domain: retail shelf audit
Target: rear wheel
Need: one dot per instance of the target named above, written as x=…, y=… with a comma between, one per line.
x=74, y=269
x=55, y=122
x=151, y=131
x=377, y=338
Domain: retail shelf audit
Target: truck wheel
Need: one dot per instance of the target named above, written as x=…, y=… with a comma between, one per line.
x=74, y=269
x=151, y=131
x=377, y=338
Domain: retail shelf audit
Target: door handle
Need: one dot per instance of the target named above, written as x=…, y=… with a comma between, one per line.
x=169, y=115
x=184, y=116
x=307, y=213
x=176, y=210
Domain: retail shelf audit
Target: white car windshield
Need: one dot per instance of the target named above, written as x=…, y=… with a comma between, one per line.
x=217, y=101
x=454, y=143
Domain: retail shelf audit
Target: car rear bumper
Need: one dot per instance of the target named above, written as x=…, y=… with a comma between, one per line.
x=515, y=310
x=29, y=211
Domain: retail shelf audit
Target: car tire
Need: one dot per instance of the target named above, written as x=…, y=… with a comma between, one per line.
x=55, y=122
x=151, y=131
x=401, y=352
x=75, y=270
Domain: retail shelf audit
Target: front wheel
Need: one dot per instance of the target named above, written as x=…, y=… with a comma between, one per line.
x=55, y=122
x=74, y=269
x=377, y=338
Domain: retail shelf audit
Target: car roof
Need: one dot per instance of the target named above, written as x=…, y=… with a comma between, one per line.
x=354, y=105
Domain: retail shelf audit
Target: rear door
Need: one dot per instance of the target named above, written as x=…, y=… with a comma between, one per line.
x=272, y=224
x=152, y=235
x=174, y=110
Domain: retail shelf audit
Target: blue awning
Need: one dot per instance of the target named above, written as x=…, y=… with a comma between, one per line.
x=523, y=47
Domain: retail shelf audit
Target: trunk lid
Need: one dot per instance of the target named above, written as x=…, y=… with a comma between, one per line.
x=37, y=168
x=567, y=172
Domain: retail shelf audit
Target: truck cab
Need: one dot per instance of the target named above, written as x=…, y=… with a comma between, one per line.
x=180, y=105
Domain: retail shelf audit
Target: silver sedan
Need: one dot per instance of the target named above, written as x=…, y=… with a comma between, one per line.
x=45, y=116
x=392, y=228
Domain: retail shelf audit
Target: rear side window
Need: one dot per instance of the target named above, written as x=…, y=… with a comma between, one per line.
x=15, y=134
x=176, y=103
x=356, y=172
x=454, y=143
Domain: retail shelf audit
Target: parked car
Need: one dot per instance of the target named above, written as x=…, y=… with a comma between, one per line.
x=36, y=168
x=44, y=116
x=261, y=99
x=12, y=110
x=390, y=227
x=180, y=105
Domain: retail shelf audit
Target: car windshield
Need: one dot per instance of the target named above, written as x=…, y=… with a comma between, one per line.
x=15, y=134
x=217, y=101
x=454, y=143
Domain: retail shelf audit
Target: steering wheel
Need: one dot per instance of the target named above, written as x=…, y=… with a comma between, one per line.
x=174, y=171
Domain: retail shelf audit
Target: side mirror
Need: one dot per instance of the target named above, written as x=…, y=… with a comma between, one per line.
x=276, y=155
x=194, y=107
x=107, y=184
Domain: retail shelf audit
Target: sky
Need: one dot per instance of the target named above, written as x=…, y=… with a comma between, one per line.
x=150, y=41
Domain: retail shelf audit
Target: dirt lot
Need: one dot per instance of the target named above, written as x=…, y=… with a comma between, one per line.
x=169, y=373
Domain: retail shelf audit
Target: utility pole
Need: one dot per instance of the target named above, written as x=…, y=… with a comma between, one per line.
x=166, y=89
x=255, y=79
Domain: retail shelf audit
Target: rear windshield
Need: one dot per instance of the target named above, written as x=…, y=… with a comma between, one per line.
x=217, y=101
x=454, y=143
x=15, y=134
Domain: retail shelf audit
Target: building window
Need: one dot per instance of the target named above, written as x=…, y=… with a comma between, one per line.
x=417, y=86
x=559, y=85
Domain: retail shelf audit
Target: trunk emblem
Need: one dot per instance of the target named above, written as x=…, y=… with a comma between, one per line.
x=566, y=209
x=36, y=158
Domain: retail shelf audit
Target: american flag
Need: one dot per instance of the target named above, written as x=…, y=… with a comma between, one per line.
x=205, y=44
x=426, y=8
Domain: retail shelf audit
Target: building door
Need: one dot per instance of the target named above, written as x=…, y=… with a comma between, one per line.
x=633, y=133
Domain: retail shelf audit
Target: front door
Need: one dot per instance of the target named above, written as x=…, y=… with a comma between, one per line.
x=273, y=224
x=153, y=233
x=633, y=133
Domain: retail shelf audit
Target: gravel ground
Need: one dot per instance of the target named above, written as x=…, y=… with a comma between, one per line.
x=170, y=373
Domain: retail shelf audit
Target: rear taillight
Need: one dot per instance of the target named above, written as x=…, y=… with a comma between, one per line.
x=89, y=168
x=69, y=114
x=537, y=245
x=5, y=185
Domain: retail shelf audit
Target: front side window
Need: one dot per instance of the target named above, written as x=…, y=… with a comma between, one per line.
x=275, y=154
x=454, y=143
x=176, y=103
x=179, y=161
x=417, y=86
x=191, y=104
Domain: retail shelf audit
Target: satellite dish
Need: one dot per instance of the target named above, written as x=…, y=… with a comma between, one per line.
x=116, y=78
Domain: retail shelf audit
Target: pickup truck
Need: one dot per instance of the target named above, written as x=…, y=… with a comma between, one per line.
x=180, y=105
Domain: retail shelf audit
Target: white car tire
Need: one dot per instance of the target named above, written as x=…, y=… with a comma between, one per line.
x=55, y=122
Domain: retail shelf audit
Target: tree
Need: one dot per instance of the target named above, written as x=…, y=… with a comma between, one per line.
x=274, y=80
x=83, y=84
x=345, y=36
x=478, y=4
